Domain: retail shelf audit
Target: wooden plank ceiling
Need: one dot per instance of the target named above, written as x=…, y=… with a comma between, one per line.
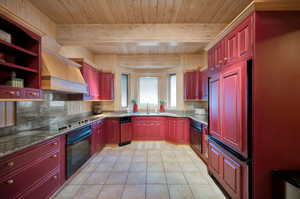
x=93, y=23
x=140, y=11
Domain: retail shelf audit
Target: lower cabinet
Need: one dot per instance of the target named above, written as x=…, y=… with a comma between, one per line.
x=112, y=130
x=41, y=175
x=148, y=128
x=98, y=138
x=178, y=130
x=230, y=172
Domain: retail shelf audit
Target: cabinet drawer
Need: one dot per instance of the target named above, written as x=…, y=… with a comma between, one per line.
x=31, y=94
x=27, y=156
x=13, y=185
x=7, y=92
x=45, y=188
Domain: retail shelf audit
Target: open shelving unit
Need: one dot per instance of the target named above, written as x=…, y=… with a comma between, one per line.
x=21, y=56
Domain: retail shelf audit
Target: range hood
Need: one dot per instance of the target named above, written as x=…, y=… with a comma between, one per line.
x=61, y=74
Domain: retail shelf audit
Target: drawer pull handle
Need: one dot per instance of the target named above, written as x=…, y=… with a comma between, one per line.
x=10, y=164
x=55, y=177
x=10, y=181
x=54, y=156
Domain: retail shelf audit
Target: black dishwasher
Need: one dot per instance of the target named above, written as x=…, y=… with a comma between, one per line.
x=196, y=135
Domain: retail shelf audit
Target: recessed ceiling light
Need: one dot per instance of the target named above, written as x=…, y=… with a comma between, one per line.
x=148, y=44
x=173, y=44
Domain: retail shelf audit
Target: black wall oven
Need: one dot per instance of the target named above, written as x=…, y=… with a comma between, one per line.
x=78, y=148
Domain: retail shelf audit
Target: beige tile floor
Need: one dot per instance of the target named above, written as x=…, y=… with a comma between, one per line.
x=143, y=170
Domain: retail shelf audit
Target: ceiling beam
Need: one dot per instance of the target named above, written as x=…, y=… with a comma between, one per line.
x=93, y=34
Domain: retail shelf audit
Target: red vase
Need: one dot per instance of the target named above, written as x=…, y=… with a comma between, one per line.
x=162, y=108
x=135, y=108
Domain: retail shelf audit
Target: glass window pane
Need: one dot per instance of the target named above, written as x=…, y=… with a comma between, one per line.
x=148, y=90
x=173, y=95
x=124, y=90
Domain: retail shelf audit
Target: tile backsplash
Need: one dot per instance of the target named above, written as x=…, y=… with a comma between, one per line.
x=31, y=115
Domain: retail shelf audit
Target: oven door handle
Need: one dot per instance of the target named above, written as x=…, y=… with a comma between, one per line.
x=84, y=135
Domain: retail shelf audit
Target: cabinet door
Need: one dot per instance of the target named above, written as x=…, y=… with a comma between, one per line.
x=126, y=132
x=244, y=35
x=214, y=160
x=232, y=174
x=233, y=105
x=231, y=45
x=171, y=129
x=182, y=131
x=214, y=108
x=112, y=131
x=219, y=54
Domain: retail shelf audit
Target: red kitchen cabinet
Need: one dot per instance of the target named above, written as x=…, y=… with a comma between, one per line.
x=107, y=86
x=231, y=173
x=215, y=160
x=233, y=107
x=126, y=132
x=232, y=176
x=178, y=130
x=193, y=85
x=91, y=77
x=214, y=108
x=219, y=55
x=244, y=38
x=24, y=173
x=148, y=128
x=112, y=130
x=97, y=138
x=231, y=48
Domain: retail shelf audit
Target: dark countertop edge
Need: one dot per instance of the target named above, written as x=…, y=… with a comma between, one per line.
x=95, y=118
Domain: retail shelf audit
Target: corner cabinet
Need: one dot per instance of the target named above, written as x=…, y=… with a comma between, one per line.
x=20, y=58
x=35, y=172
x=100, y=84
x=195, y=85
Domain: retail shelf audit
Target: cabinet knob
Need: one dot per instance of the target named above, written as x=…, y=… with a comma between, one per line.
x=55, y=177
x=10, y=164
x=12, y=92
x=225, y=58
x=55, y=143
x=11, y=181
x=220, y=62
x=54, y=156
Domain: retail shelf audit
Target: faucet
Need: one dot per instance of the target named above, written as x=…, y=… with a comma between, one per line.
x=147, y=108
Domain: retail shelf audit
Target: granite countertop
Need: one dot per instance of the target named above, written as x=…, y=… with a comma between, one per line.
x=21, y=140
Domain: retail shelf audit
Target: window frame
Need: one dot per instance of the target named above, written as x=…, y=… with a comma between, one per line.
x=127, y=92
x=169, y=92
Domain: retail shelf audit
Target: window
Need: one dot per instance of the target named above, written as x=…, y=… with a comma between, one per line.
x=148, y=90
x=124, y=90
x=172, y=90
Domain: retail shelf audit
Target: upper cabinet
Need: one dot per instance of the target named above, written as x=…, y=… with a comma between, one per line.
x=234, y=47
x=107, y=86
x=20, y=58
x=100, y=84
x=195, y=85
